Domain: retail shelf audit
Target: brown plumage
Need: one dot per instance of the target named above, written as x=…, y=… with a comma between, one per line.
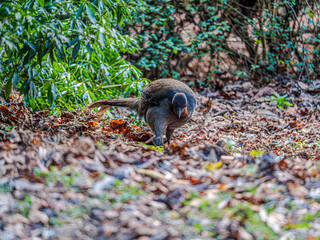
x=165, y=104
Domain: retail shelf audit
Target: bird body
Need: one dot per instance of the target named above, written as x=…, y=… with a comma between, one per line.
x=165, y=104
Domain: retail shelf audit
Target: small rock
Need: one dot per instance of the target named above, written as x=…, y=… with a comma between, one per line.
x=247, y=86
x=104, y=184
x=109, y=229
x=97, y=214
x=35, y=216
x=244, y=235
x=48, y=234
x=231, y=88
x=264, y=91
x=158, y=205
x=314, y=193
x=6, y=203
x=110, y=214
x=13, y=136
x=283, y=177
x=123, y=172
x=93, y=166
x=297, y=190
x=23, y=184
x=12, y=231
x=17, y=218
x=83, y=183
x=50, y=212
x=266, y=113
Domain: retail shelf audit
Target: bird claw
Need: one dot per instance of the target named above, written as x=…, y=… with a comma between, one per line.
x=157, y=141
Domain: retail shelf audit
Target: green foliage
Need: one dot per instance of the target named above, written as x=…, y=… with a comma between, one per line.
x=243, y=213
x=256, y=153
x=126, y=193
x=231, y=145
x=65, y=176
x=160, y=149
x=24, y=206
x=66, y=53
x=282, y=101
x=206, y=39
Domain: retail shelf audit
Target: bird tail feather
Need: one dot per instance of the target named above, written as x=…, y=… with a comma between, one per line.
x=105, y=104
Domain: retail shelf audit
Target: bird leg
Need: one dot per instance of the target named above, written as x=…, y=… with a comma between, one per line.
x=156, y=120
x=158, y=130
x=169, y=133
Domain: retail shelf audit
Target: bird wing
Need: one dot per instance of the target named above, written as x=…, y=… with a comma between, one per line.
x=157, y=91
x=163, y=88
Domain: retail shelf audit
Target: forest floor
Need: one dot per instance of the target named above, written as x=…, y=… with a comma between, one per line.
x=240, y=169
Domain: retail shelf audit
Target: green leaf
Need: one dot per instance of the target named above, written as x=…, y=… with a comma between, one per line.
x=54, y=91
x=85, y=96
x=52, y=57
x=101, y=40
x=10, y=44
x=46, y=85
x=15, y=80
x=311, y=14
x=26, y=87
x=39, y=55
x=100, y=6
x=37, y=32
x=91, y=14
x=33, y=89
x=41, y=3
x=89, y=48
x=30, y=45
x=120, y=21
x=52, y=94
x=76, y=50
x=79, y=11
x=8, y=88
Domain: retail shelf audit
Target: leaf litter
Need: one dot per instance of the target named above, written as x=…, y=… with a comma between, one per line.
x=241, y=169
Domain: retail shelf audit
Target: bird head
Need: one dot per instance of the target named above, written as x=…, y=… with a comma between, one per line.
x=179, y=103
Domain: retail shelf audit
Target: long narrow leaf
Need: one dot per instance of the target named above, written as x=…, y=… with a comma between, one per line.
x=76, y=50
x=91, y=14
x=15, y=80
x=8, y=88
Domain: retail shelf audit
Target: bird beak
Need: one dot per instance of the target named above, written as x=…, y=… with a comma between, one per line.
x=179, y=112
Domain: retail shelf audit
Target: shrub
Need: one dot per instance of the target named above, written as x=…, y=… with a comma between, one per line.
x=204, y=39
x=66, y=53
